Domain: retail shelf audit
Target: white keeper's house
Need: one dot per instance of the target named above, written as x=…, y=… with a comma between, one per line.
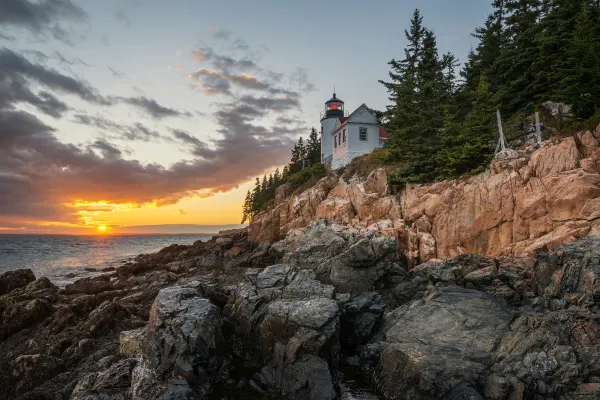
x=348, y=135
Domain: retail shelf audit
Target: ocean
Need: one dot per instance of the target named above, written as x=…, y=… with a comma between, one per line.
x=65, y=258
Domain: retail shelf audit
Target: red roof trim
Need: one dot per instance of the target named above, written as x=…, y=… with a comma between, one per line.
x=383, y=134
x=342, y=119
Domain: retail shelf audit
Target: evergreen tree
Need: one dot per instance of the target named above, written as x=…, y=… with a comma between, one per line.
x=519, y=54
x=256, y=197
x=247, y=208
x=469, y=145
x=581, y=82
x=277, y=178
x=402, y=89
x=313, y=147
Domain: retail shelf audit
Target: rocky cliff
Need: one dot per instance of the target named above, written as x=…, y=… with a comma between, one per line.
x=545, y=196
x=334, y=316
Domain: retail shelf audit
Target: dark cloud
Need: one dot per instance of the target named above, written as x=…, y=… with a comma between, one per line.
x=135, y=132
x=15, y=65
x=108, y=150
x=40, y=174
x=13, y=91
x=153, y=108
x=194, y=145
x=41, y=17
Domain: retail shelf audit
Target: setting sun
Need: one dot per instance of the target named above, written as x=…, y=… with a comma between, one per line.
x=102, y=228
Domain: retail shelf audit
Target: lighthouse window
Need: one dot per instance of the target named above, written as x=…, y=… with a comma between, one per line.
x=362, y=134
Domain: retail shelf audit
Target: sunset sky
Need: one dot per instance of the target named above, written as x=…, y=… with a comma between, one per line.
x=148, y=115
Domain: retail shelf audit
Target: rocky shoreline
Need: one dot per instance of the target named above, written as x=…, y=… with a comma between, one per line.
x=322, y=314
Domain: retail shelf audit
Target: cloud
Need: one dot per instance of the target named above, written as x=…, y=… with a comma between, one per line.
x=225, y=63
x=45, y=179
x=135, y=132
x=40, y=17
x=14, y=66
x=153, y=108
x=215, y=82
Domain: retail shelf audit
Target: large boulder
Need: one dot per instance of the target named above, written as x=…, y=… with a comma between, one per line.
x=12, y=280
x=301, y=336
x=295, y=322
x=341, y=258
x=440, y=346
x=183, y=339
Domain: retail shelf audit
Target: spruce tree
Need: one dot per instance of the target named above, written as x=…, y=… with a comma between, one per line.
x=247, y=208
x=313, y=147
x=256, y=197
x=519, y=54
x=402, y=89
x=581, y=82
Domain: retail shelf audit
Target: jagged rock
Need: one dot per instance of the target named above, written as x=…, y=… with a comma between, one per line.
x=360, y=317
x=307, y=377
x=184, y=337
x=406, y=291
x=294, y=334
x=92, y=285
x=23, y=315
x=546, y=355
x=440, y=345
x=12, y=280
x=345, y=261
x=113, y=383
x=30, y=371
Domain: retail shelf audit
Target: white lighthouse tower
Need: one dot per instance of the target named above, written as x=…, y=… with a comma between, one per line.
x=334, y=110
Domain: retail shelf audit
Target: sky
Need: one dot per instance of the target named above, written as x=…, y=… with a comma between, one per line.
x=155, y=116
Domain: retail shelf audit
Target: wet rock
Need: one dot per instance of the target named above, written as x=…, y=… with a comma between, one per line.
x=441, y=344
x=30, y=371
x=22, y=315
x=113, y=383
x=360, y=317
x=184, y=337
x=12, y=280
x=407, y=291
x=306, y=377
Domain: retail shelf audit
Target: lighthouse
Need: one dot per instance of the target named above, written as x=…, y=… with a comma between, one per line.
x=334, y=112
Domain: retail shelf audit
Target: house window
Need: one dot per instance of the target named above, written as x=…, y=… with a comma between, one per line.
x=340, y=138
x=344, y=135
x=335, y=142
x=362, y=134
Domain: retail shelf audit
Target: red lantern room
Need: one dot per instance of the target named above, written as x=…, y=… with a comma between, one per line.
x=334, y=107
